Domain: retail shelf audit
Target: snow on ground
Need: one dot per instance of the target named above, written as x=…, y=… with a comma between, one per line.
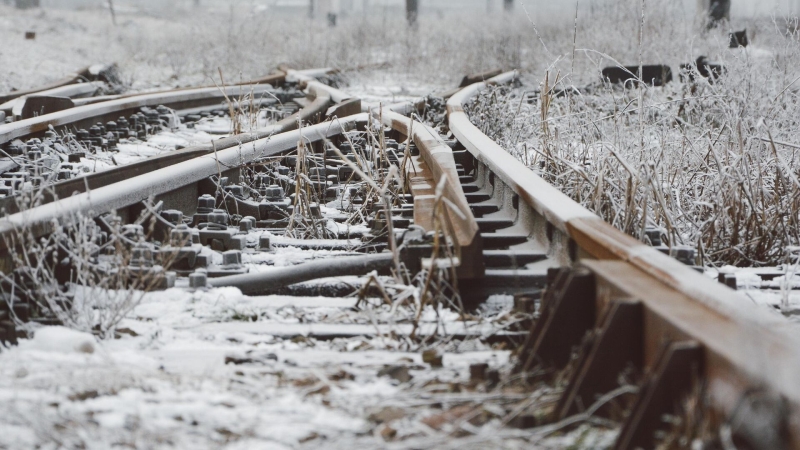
x=777, y=288
x=216, y=369
x=132, y=150
x=163, y=383
x=182, y=46
x=65, y=42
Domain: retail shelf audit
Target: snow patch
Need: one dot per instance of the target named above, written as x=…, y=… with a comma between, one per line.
x=61, y=340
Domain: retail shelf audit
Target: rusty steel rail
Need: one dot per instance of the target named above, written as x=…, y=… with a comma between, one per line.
x=68, y=87
x=613, y=304
x=312, y=113
x=434, y=165
x=308, y=79
x=682, y=331
x=111, y=110
x=175, y=185
x=85, y=74
x=278, y=77
x=433, y=170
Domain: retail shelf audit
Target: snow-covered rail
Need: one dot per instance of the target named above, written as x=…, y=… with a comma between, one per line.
x=86, y=74
x=185, y=102
x=613, y=303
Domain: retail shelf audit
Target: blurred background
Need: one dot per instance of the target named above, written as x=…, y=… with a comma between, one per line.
x=536, y=8
x=176, y=43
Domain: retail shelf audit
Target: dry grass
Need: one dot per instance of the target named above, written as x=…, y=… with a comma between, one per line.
x=188, y=46
x=713, y=165
x=84, y=275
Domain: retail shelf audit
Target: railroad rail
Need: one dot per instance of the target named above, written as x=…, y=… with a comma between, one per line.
x=607, y=303
x=90, y=73
x=623, y=303
x=184, y=101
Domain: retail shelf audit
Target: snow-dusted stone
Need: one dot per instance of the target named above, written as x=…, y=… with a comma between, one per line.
x=62, y=340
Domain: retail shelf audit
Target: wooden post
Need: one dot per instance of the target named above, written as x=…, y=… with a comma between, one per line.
x=412, y=12
x=508, y=5
x=311, y=7
x=718, y=10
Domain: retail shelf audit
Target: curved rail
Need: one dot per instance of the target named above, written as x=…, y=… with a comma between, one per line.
x=437, y=166
x=308, y=78
x=131, y=191
x=618, y=301
x=111, y=110
x=85, y=74
x=311, y=113
x=643, y=305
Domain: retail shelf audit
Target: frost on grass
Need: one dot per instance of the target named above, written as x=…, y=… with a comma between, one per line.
x=713, y=164
x=178, y=45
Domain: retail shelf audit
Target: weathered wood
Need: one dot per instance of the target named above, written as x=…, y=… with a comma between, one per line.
x=616, y=345
x=568, y=312
x=667, y=385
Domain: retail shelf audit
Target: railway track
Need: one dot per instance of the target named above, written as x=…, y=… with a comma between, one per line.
x=624, y=303
x=376, y=198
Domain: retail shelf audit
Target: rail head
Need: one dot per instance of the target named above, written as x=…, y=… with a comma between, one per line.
x=438, y=159
x=307, y=79
x=548, y=201
x=157, y=175
x=113, y=106
x=457, y=101
x=440, y=163
x=596, y=238
x=311, y=113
